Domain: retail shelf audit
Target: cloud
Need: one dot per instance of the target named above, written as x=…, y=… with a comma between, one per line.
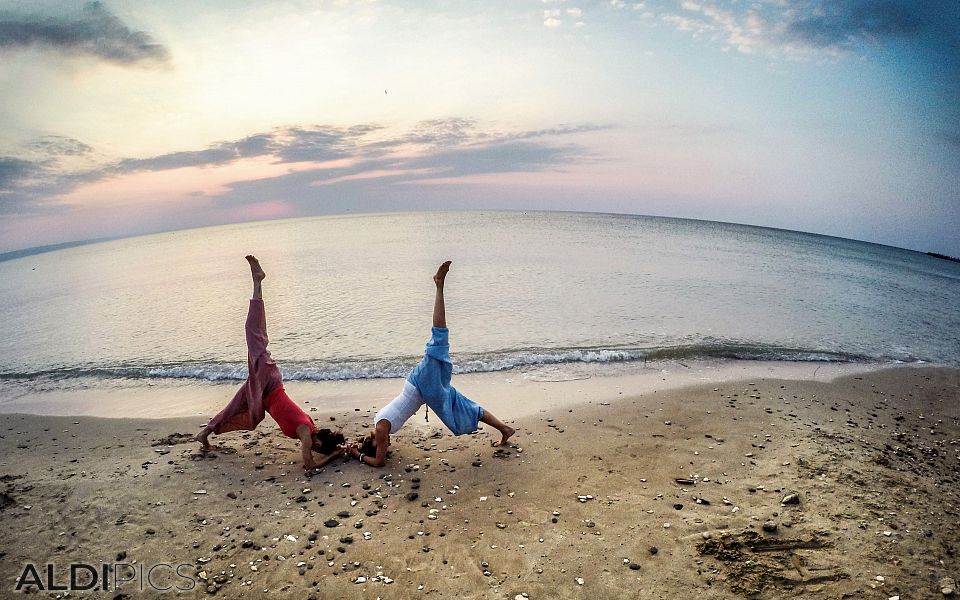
x=319, y=143
x=57, y=145
x=811, y=28
x=442, y=132
x=840, y=24
x=175, y=160
x=502, y=156
x=37, y=172
x=13, y=171
x=374, y=156
x=25, y=185
x=94, y=30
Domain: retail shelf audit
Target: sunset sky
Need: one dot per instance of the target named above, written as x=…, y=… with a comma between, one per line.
x=831, y=116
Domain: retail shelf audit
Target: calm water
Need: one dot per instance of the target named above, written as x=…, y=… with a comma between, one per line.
x=351, y=297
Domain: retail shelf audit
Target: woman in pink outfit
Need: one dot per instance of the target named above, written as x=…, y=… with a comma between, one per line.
x=263, y=392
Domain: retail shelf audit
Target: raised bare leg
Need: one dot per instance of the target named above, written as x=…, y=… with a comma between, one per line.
x=257, y=272
x=256, y=345
x=439, y=313
x=505, y=430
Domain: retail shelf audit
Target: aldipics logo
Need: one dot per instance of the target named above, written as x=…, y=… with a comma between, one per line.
x=83, y=577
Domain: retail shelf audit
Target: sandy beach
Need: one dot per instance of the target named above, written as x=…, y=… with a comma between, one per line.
x=723, y=483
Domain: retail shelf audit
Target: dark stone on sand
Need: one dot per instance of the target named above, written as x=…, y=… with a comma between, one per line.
x=248, y=528
x=678, y=506
x=414, y=486
x=412, y=496
x=151, y=531
x=343, y=514
x=365, y=486
x=770, y=527
x=312, y=537
x=341, y=549
x=415, y=480
x=634, y=566
x=331, y=523
x=654, y=550
x=477, y=463
x=246, y=544
x=121, y=555
x=232, y=495
x=684, y=481
x=553, y=520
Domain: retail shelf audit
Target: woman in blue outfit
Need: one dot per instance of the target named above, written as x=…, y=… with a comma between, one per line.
x=428, y=383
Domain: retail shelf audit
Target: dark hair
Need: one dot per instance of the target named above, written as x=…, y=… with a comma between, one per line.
x=366, y=445
x=326, y=441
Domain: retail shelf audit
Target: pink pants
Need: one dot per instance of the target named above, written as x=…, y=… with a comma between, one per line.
x=245, y=410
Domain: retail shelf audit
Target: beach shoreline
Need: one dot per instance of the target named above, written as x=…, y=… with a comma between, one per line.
x=573, y=508
x=543, y=387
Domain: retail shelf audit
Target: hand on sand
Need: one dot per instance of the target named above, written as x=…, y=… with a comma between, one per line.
x=441, y=273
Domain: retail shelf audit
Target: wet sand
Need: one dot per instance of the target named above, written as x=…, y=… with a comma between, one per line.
x=717, y=487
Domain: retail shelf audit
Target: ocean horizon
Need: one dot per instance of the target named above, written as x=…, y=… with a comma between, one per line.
x=349, y=297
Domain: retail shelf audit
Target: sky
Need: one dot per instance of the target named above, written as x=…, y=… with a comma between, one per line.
x=122, y=117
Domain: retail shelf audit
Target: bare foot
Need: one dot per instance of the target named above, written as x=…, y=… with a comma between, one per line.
x=441, y=273
x=507, y=434
x=202, y=438
x=255, y=269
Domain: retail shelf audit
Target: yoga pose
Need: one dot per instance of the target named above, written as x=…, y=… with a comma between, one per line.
x=428, y=383
x=263, y=392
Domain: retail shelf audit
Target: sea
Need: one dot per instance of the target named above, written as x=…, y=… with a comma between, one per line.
x=350, y=297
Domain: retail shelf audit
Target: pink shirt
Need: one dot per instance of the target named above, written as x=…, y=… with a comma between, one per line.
x=288, y=415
